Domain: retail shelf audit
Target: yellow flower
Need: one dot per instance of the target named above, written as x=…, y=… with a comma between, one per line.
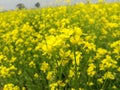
x=13, y=59
x=64, y=62
x=36, y=75
x=112, y=25
x=100, y=80
x=114, y=87
x=90, y=71
x=4, y=71
x=78, y=31
x=44, y=66
x=61, y=83
x=78, y=56
x=89, y=46
x=71, y=73
x=19, y=72
x=81, y=88
x=47, y=48
x=10, y=86
x=108, y=62
x=115, y=44
x=118, y=69
x=101, y=51
x=90, y=83
x=104, y=32
x=109, y=75
x=52, y=31
x=23, y=88
x=49, y=75
x=53, y=86
x=32, y=64
x=91, y=21
x=76, y=40
x=72, y=88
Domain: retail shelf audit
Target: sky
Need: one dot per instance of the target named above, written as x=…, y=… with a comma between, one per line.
x=11, y=4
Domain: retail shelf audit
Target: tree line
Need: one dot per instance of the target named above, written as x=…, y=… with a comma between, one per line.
x=22, y=6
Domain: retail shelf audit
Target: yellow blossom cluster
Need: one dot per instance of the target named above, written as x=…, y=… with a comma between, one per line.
x=61, y=48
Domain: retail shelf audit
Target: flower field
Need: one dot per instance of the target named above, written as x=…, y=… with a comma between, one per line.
x=61, y=48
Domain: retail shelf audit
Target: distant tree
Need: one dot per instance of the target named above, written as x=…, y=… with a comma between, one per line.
x=37, y=5
x=88, y=1
x=20, y=6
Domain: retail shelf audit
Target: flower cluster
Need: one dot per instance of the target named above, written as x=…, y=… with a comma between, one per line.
x=62, y=48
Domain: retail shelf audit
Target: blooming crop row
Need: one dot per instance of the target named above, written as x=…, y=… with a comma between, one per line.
x=62, y=48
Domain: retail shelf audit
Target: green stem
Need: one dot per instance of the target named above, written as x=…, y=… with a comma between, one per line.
x=103, y=84
x=76, y=77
